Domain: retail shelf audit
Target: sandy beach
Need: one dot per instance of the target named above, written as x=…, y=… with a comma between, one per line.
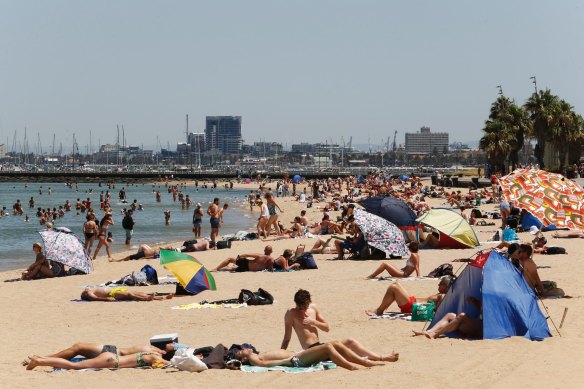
x=40, y=318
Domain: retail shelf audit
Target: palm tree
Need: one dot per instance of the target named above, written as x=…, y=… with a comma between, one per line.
x=541, y=107
x=497, y=142
x=566, y=129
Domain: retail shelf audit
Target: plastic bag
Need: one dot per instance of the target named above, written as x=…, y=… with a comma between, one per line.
x=185, y=359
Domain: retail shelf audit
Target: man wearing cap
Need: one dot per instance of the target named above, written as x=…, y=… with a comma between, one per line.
x=40, y=268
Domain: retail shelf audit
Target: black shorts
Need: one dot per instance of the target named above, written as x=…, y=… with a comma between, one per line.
x=242, y=265
x=138, y=255
x=109, y=348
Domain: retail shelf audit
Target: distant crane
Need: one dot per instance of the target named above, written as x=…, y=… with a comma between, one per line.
x=394, y=146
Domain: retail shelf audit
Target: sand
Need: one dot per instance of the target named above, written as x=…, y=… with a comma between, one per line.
x=38, y=317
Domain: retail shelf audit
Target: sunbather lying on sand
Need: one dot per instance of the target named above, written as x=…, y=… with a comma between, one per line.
x=248, y=262
x=120, y=294
x=571, y=234
x=464, y=325
x=334, y=351
x=92, y=350
x=107, y=360
x=398, y=294
x=144, y=251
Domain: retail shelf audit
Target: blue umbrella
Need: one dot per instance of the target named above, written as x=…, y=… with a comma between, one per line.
x=392, y=209
x=297, y=178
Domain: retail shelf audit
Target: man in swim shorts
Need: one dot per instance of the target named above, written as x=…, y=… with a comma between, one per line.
x=120, y=294
x=306, y=319
x=398, y=294
x=248, y=262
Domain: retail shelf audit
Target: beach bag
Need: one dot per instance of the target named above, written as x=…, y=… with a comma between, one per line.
x=307, y=261
x=423, y=311
x=509, y=235
x=445, y=269
x=555, y=250
x=223, y=244
x=151, y=274
x=185, y=359
x=261, y=297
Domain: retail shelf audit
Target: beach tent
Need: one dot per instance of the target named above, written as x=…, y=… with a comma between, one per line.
x=455, y=232
x=509, y=305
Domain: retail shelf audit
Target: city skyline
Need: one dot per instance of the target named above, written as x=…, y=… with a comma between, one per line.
x=302, y=71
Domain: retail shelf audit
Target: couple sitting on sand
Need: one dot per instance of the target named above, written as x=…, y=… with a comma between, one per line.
x=305, y=318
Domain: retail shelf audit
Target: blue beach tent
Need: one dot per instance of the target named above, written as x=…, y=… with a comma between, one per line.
x=528, y=220
x=509, y=305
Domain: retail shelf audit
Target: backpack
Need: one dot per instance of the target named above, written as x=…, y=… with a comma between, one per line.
x=307, y=261
x=223, y=244
x=261, y=297
x=151, y=274
x=188, y=243
x=443, y=270
x=509, y=235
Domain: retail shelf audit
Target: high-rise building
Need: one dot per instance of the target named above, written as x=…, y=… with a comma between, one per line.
x=426, y=142
x=197, y=142
x=2, y=151
x=223, y=133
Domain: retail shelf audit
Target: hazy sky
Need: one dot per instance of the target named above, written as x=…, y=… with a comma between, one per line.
x=294, y=70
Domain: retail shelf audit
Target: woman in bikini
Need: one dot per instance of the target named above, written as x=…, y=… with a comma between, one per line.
x=412, y=264
x=335, y=351
x=273, y=219
x=102, y=236
x=106, y=360
x=90, y=229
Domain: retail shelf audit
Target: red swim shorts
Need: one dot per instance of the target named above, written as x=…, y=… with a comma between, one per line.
x=407, y=307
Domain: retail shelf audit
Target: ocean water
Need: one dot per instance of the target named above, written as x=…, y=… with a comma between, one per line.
x=17, y=236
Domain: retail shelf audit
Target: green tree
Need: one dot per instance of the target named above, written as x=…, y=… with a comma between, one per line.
x=497, y=142
x=566, y=130
x=542, y=108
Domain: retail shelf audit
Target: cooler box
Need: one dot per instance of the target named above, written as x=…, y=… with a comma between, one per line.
x=162, y=340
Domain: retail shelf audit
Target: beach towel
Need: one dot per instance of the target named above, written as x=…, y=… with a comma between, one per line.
x=187, y=307
x=169, y=280
x=421, y=278
x=392, y=316
x=321, y=366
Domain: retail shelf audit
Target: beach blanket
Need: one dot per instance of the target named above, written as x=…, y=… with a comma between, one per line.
x=392, y=316
x=321, y=366
x=421, y=278
x=187, y=307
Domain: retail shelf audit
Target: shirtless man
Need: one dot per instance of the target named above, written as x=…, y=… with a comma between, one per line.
x=248, y=262
x=398, y=294
x=119, y=294
x=144, y=251
x=305, y=318
x=213, y=212
x=522, y=258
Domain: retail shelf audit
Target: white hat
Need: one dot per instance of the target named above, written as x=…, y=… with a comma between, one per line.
x=533, y=230
x=198, y=204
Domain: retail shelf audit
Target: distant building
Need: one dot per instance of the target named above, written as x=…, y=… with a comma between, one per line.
x=266, y=149
x=426, y=142
x=2, y=151
x=223, y=133
x=197, y=142
x=304, y=148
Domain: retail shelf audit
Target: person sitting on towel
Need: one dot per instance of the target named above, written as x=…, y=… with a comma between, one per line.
x=412, y=264
x=398, y=294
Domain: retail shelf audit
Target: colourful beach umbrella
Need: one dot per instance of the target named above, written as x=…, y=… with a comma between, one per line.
x=552, y=198
x=381, y=234
x=63, y=246
x=191, y=274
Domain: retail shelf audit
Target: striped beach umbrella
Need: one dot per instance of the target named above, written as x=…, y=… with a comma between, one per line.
x=191, y=274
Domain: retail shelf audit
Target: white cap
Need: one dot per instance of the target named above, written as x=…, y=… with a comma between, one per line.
x=533, y=230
